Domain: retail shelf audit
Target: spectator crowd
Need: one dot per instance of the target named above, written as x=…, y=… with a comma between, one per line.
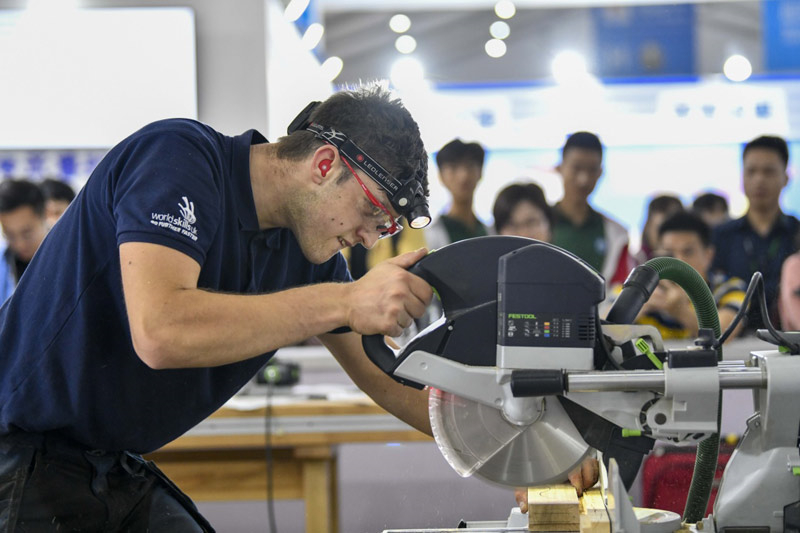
x=725, y=252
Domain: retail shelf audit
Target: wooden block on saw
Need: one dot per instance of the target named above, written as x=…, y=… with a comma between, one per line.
x=594, y=516
x=553, y=508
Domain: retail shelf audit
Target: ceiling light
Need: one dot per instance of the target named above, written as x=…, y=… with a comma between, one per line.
x=407, y=72
x=332, y=67
x=295, y=9
x=737, y=68
x=495, y=48
x=400, y=23
x=405, y=44
x=569, y=66
x=313, y=35
x=499, y=29
x=505, y=9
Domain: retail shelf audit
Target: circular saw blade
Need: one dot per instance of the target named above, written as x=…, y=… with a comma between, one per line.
x=477, y=440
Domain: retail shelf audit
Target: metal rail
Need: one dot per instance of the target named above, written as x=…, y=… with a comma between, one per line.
x=731, y=376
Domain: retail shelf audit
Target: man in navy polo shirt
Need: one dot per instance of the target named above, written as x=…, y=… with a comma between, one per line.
x=188, y=258
x=765, y=235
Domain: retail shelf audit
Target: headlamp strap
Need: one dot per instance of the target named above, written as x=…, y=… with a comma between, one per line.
x=357, y=156
x=405, y=196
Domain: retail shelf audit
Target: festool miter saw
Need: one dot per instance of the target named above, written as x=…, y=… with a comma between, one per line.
x=526, y=380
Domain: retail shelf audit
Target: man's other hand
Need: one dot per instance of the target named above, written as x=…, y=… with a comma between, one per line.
x=581, y=478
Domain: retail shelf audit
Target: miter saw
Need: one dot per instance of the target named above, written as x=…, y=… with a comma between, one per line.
x=526, y=380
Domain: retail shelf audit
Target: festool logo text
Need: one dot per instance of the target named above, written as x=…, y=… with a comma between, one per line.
x=520, y=315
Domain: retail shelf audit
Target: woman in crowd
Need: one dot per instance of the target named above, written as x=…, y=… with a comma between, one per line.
x=522, y=210
x=659, y=209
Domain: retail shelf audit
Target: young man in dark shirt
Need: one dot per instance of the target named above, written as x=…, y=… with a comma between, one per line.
x=187, y=259
x=578, y=227
x=765, y=235
x=460, y=169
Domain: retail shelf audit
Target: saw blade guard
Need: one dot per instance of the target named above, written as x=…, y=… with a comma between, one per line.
x=476, y=439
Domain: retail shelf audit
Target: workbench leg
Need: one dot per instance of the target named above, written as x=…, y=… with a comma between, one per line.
x=319, y=488
x=334, y=492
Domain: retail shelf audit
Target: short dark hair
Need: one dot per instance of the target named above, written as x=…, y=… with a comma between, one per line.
x=19, y=193
x=509, y=198
x=583, y=140
x=53, y=189
x=710, y=201
x=373, y=119
x=457, y=151
x=769, y=142
x=664, y=203
x=687, y=221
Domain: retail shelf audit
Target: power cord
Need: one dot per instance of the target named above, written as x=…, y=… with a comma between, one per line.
x=757, y=285
x=270, y=461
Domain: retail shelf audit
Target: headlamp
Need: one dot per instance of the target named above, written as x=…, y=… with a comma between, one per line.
x=406, y=196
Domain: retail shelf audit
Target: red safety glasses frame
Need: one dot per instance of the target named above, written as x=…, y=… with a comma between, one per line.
x=391, y=227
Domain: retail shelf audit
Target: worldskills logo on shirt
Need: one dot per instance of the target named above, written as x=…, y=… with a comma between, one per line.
x=183, y=224
x=187, y=211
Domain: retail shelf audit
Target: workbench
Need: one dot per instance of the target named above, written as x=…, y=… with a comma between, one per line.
x=224, y=457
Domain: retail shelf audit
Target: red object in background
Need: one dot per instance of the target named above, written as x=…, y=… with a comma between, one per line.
x=666, y=478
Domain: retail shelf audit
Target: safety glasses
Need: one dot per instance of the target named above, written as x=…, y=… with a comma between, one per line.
x=389, y=225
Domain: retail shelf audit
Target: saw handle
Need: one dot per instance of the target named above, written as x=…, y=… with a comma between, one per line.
x=375, y=345
x=527, y=383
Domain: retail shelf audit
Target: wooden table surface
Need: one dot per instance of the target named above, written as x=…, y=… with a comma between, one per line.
x=225, y=457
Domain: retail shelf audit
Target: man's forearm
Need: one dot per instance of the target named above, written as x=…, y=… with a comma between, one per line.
x=198, y=328
x=406, y=403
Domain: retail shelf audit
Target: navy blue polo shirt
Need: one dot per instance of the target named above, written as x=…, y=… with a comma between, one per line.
x=67, y=362
x=740, y=252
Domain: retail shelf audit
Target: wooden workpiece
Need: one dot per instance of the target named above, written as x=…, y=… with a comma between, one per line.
x=594, y=516
x=558, y=508
x=553, y=508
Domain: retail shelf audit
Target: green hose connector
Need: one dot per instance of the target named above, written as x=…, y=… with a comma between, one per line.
x=705, y=464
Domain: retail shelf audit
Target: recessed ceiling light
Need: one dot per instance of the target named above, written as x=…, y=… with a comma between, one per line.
x=499, y=29
x=407, y=72
x=737, y=68
x=505, y=9
x=332, y=67
x=405, y=44
x=313, y=35
x=400, y=23
x=568, y=66
x=295, y=9
x=495, y=48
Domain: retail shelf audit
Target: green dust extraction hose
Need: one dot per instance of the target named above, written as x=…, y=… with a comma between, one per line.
x=705, y=464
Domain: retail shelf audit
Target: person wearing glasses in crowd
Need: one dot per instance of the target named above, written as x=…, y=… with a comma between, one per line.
x=22, y=217
x=186, y=261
